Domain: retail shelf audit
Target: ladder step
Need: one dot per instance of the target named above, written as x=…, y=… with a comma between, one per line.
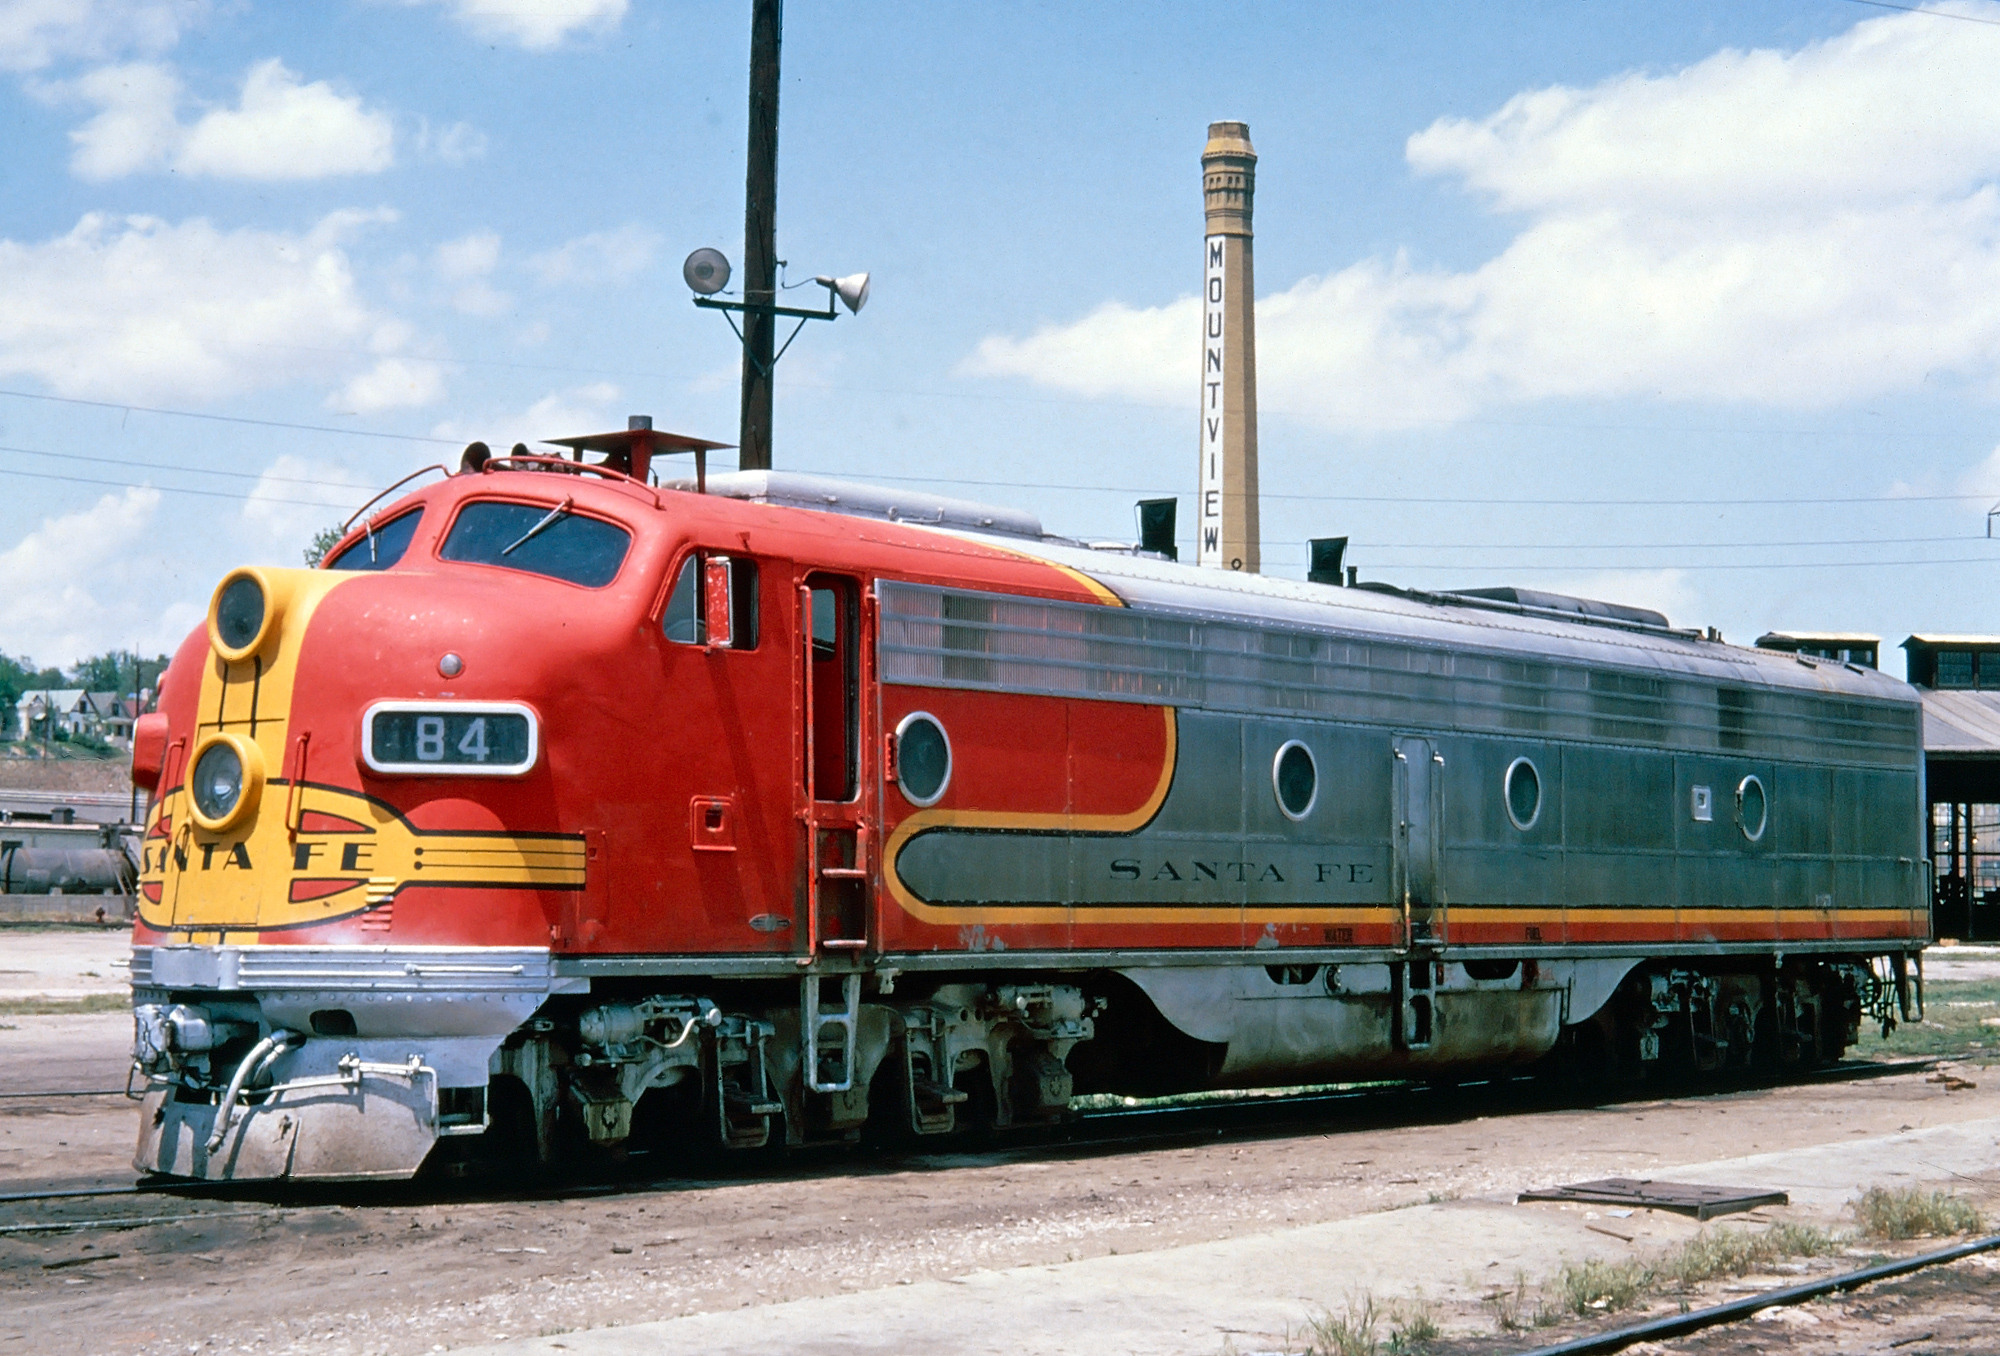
x=844, y=943
x=844, y=872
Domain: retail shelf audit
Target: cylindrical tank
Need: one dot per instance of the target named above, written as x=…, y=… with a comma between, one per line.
x=73, y=871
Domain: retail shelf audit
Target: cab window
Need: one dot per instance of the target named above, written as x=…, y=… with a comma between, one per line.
x=684, y=621
x=381, y=548
x=552, y=540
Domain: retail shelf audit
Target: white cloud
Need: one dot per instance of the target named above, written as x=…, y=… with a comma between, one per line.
x=559, y=414
x=537, y=25
x=1981, y=479
x=140, y=309
x=391, y=384
x=136, y=129
x=467, y=262
x=280, y=128
x=470, y=256
x=453, y=145
x=37, y=33
x=285, y=130
x=1796, y=229
x=294, y=498
x=76, y=585
x=601, y=256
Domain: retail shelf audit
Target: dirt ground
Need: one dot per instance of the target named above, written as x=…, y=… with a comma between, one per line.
x=395, y=1272
x=66, y=774
x=1948, y=1309
x=406, y=1271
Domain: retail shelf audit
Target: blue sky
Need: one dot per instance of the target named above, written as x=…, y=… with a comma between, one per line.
x=1696, y=306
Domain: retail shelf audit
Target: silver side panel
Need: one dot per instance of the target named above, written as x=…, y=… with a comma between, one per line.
x=497, y=970
x=1340, y=1024
x=1417, y=672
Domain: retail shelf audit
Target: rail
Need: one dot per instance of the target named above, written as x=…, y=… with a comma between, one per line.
x=1679, y=1325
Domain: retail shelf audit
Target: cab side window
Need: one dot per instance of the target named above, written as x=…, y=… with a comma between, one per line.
x=685, y=621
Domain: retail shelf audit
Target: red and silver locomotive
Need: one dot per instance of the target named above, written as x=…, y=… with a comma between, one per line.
x=569, y=811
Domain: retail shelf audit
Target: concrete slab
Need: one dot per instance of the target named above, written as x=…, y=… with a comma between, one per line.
x=63, y=962
x=1191, y=1300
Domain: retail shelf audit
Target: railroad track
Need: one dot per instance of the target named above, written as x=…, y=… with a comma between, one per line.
x=1104, y=1129
x=1735, y=1311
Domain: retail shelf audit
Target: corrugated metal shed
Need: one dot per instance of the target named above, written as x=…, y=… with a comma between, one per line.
x=1961, y=724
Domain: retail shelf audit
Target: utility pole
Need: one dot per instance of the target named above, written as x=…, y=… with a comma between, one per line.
x=760, y=236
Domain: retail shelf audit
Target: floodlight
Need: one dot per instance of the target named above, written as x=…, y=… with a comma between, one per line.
x=852, y=290
x=707, y=272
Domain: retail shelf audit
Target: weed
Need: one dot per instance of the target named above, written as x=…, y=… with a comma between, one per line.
x=1413, y=1326
x=1737, y=1252
x=1595, y=1285
x=1951, y=1025
x=1439, y=1197
x=1348, y=1333
x=1510, y=1306
x=1911, y=1212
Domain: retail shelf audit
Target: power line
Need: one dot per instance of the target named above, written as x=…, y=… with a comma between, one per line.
x=174, y=466
x=1362, y=543
x=1571, y=568
x=172, y=489
x=1478, y=500
x=1592, y=567
x=1084, y=488
x=1934, y=13
x=227, y=418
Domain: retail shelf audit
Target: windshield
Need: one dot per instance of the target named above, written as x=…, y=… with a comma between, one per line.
x=391, y=539
x=541, y=539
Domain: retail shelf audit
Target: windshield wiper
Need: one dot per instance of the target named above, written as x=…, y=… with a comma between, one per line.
x=548, y=521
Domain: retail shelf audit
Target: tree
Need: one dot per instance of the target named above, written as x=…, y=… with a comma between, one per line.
x=323, y=541
x=120, y=671
x=18, y=676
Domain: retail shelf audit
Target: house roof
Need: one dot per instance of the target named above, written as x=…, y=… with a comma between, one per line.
x=1848, y=639
x=63, y=699
x=1952, y=643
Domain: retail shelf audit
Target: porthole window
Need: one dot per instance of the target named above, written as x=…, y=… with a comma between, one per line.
x=1295, y=779
x=1524, y=793
x=923, y=758
x=1753, y=808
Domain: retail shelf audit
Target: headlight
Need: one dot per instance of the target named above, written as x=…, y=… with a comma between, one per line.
x=227, y=780
x=241, y=614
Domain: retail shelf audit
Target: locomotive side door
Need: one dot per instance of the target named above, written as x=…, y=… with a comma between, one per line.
x=1419, y=818
x=1419, y=888
x=831, y=778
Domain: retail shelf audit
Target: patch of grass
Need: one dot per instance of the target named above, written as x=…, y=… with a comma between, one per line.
x=1413, y=1326
x=1738, y=1252
x=65, y=1007
x=1512, y=1311
x=1953, y=1011
x=1911, y=1212
x=1350, y=1332
x=1593, y=1285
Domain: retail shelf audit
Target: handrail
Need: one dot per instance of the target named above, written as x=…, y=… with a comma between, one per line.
x=422, y=470
x=537, y=462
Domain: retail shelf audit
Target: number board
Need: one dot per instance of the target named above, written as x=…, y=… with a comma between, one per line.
x=465, y=738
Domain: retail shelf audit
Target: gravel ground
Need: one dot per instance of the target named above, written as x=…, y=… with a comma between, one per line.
x=405, y=1272
x=395, y=1273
